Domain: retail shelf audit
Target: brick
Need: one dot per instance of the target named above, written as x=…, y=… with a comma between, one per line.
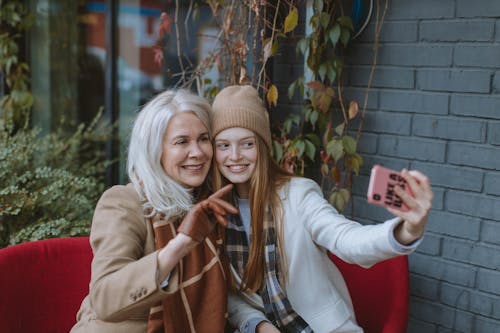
x=412, y=55
x=411, y=101
x=472, y=204
x=431, y=311
x=422, y=9
x=455, y=296
x=384, y=77
x=468, y=81
x=477, y=55
x=457, y=30
x=445, y=270
x=496, y=81
x=417, y=326
x=287, y=73
x=497, y=31
x=478, y=8
x=492, y=183
x=487, y=281
x=367, y=143
x=470, y=252
x=387, y=122
x=486, y=325
x=412, y=148
x=461, y=178
x=490, y=231
x=475, y=155
x=400, y=32
x=438, y=201
x=454, y=225
x=453, y=128
x=476, y=106
x=485, y=304
x=431, y=245
x=424, y=287
x=494, y=133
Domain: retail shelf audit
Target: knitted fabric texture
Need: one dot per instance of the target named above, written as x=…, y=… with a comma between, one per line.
x=240, y=106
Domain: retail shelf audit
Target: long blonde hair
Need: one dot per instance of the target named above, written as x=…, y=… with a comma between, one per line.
x=265, y=182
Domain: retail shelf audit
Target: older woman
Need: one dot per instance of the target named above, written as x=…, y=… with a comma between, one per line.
x=155, y=241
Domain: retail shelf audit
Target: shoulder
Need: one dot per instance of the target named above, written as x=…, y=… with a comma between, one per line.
x=299, y=187
x=120, y=195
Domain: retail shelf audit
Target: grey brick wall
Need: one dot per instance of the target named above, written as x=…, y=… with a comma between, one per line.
x=435, y=106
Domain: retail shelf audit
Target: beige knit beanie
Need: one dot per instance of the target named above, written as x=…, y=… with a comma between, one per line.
x=240, y=106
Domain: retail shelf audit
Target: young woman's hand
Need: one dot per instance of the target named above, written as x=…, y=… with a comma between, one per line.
x=414, y=220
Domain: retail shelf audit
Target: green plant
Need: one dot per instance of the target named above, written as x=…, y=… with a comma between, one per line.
x=50, y=183
x=326, y=131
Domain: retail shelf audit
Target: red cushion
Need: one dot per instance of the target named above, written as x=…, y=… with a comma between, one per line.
x=43, y=283
x=379, y=294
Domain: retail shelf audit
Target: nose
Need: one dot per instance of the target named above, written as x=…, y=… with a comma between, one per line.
x=235, y=152
x=195, y=150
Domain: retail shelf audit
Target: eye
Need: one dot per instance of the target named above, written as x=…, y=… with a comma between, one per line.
x=180, y=142
x=204, y=138
x=222, y=145
x=248, y=144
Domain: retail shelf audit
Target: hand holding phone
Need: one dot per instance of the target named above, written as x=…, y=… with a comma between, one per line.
x=381, y=188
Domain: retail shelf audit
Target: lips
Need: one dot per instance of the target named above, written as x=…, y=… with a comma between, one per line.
x=194, y=167
x=237, y=168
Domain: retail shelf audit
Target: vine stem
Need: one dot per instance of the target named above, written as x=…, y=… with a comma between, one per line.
x=272, y=41
x=178, y=40
x=378, y=29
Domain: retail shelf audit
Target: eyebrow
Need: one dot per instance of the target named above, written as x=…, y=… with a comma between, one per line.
x=184, y=136
x=242, y=139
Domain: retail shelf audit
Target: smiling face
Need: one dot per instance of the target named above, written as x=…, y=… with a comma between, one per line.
x=187, y=150
x=236, y=157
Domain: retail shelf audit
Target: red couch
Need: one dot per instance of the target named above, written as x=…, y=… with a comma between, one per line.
x=42, y=284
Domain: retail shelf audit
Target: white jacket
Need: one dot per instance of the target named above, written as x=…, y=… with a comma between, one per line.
x=315, y=287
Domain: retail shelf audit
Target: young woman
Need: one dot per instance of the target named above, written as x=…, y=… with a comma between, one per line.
x=283, y=280
x=156, y=265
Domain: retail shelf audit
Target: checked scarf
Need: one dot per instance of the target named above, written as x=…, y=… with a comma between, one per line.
x=277, y=307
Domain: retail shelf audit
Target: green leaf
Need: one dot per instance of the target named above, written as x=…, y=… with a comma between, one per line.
x=346, y=22
x=291, y=90
x=291, y=20
x=345, y=35
x=310, y=149
x=332, y=74
x=324, y=19
x=300, y=145
x=302, y=45
x=340, y=129
x=349, y=144
x=334, y=149
x=277, y=150
x=314, y=117
x=334, y=34
x=322, y=70
x=313, y=138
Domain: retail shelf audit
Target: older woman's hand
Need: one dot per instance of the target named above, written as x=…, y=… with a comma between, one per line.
x=414, y=220
x=198, y=223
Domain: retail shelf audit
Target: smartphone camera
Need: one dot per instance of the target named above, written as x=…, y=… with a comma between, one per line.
x=376, y=197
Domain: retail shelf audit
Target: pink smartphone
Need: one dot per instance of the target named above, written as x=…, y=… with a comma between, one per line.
x=381, y=188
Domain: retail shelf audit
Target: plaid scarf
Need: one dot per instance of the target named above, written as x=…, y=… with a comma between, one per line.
x=200, y=303
x=277, y=307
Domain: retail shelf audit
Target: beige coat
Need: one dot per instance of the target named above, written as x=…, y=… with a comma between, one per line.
x=124, y=281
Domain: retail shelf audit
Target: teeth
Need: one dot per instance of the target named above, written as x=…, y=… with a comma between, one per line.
x=194, y=167
x=237, y=167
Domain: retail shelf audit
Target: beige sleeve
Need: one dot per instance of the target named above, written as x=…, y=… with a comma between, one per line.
x=124, y=280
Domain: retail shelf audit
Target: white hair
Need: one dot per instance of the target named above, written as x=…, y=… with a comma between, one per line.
x=155, y=187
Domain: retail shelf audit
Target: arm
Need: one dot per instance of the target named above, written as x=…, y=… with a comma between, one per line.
x=123, y=279
x=364, y=245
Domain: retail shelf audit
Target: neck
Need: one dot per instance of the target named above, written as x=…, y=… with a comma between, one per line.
x=243, y=189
